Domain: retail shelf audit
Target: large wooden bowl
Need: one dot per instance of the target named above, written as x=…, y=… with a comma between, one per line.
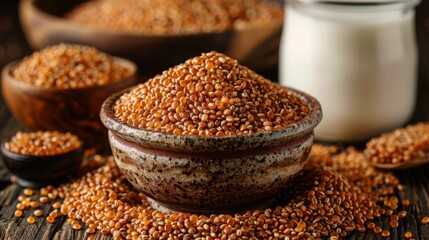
x=66, y=110
x=44, y=25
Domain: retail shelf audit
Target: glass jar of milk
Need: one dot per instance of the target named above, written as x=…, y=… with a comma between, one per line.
x=358, y=58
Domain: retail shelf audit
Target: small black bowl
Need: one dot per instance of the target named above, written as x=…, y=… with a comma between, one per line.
x=39, y=171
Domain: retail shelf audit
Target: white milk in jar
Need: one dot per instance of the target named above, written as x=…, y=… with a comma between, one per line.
x=358, y=58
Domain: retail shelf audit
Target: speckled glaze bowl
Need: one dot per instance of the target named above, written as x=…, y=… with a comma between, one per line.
x=203, y=174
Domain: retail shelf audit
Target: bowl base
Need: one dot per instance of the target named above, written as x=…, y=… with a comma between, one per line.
x=24, y=183
x=174, y=209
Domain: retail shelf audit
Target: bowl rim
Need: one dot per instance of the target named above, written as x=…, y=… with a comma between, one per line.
x=48, y=16
x=139, y=135
x=6, y=73
x=29, y=158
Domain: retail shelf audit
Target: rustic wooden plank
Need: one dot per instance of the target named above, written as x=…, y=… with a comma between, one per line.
x=417, y=188
x=416, y=181
x=18, y=228
x=416, y=184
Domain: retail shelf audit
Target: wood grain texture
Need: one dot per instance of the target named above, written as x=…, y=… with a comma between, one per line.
x=416, y=184
x=416, y=181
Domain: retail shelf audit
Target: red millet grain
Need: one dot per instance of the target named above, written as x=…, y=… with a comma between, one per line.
x=104, y=200
x=408, y=235
x=334, y=195
x=210, y=95
x=66, y=66
x=400, y=145
x=176, y=17
x=42, y=143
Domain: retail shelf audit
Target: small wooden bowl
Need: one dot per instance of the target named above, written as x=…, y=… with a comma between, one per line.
x=66, y=110
x=39, y=171
x=44, y=24
x=208, y=174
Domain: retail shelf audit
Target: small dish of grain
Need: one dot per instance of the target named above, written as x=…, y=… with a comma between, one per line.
x=43, y=157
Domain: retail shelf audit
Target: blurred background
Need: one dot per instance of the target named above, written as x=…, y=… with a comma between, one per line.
x=13, y=45
x=12, y=41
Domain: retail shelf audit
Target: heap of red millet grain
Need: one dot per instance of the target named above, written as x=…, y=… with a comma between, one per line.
x=66, y=66
x=336, y=194
x=210, y=95
x=42, y=143
x=401, y=145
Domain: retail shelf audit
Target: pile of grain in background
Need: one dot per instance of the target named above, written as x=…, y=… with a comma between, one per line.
x=175, y=17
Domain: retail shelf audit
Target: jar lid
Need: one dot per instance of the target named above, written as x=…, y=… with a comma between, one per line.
x=362, y=5
x=363, y=1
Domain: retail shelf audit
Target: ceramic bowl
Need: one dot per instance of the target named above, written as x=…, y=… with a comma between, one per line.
x=39, y=171
x=203, y=174
x=66, y=110
x=43, y=24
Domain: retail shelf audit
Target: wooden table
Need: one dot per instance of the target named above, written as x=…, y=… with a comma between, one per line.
x=416, y=184
x=416, y=181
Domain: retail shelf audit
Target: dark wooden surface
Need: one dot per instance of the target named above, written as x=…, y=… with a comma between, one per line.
x=416, y=181
x=416, y=184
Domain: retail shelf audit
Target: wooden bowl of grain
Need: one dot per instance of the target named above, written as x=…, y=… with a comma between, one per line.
x=74, y=110
x=44, y=24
